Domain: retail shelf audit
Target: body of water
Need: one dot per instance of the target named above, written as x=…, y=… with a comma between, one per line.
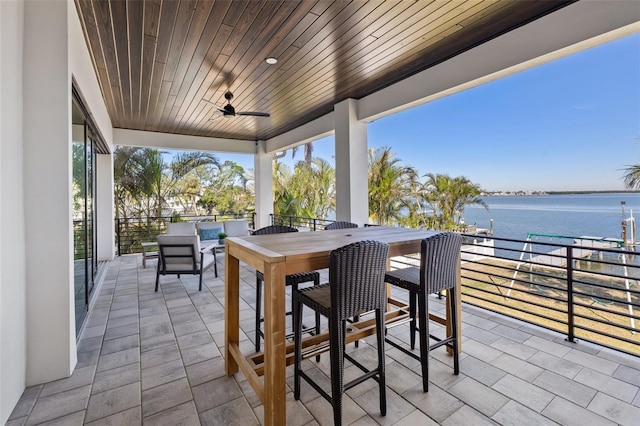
x=597, y=215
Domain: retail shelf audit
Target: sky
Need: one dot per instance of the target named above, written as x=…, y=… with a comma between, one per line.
x=568, y=125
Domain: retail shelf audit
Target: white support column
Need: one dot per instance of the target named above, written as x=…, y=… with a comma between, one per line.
x=51, y=340
x=105, y=207
x=352, y=193
x=263, y=174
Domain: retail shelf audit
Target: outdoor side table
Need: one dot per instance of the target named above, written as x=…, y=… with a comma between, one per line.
x=149, y=251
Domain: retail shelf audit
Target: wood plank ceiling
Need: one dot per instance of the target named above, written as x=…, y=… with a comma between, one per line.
x=164, y=65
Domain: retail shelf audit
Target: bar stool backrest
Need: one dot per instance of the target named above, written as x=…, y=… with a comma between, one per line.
x=340, y=225
x=439, y=261
x=274, y=229
x=356, y=274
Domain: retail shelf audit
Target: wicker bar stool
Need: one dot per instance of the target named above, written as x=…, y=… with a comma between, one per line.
x=439, y=269
x=291, y=280
x=340, y=224
x=356, y=284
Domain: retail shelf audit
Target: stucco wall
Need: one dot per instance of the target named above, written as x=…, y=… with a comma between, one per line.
x=12, y=252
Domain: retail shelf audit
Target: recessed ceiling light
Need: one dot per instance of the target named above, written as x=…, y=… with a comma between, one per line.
x=271, y=60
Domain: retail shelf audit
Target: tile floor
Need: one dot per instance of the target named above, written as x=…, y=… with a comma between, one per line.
x=156, y=359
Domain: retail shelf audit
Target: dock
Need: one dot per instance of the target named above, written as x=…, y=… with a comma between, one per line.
x=588, y=246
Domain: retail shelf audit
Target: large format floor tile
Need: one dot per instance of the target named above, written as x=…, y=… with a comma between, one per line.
x=156, y=359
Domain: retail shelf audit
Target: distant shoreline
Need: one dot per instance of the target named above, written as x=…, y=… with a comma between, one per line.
x=515, y=193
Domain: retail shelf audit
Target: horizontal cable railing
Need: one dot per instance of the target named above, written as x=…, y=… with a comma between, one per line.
x=585, y=290
x=588, y=293
x=132, y=232
x=302, y=223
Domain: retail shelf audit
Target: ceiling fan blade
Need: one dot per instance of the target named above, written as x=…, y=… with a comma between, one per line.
x=254, y=114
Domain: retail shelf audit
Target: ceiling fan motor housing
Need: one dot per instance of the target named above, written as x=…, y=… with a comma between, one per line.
x=229, y=110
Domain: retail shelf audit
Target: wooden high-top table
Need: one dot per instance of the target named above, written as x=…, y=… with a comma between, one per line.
x=277, y=256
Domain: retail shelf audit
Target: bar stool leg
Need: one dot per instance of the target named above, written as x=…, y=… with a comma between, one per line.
x=412, y=315
x=336, y=351
x=423, y=309
x=297, y=339
x=454, y=330
x=381, y=366
x=316, y=282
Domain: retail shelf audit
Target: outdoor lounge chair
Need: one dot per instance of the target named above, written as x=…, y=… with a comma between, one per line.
x=181, y=254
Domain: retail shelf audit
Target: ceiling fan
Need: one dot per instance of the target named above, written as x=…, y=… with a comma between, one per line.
x=230, y=111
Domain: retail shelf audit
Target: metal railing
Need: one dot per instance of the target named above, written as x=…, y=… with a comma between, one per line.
x=585, y=290
x=312, y=224
x=130, y=233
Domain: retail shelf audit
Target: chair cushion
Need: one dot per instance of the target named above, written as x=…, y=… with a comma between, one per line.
x=236, y=228
x=209, y=233
x=187, y=255
x=181, y=228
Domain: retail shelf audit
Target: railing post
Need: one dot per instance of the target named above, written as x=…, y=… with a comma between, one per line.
x=118, y=236
x=570, y=317
x=314, y=223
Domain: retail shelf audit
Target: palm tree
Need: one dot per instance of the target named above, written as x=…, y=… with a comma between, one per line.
x=308, y=152
x=144, y=182
x=306, y=191
x=324, y=187
x=183, y=167
x=448, y=197
x=314, y=184
x=127, y=180
x=227, y=190
x=285, y=201
x=632, y=177
x=392, y=187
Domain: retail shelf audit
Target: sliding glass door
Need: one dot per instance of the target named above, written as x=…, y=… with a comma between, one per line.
x=84, y=236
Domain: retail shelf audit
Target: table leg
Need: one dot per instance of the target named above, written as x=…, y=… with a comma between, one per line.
x=231, y=311
x=274, y=345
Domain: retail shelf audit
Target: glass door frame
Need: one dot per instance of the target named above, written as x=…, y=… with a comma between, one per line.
x=85, y=260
